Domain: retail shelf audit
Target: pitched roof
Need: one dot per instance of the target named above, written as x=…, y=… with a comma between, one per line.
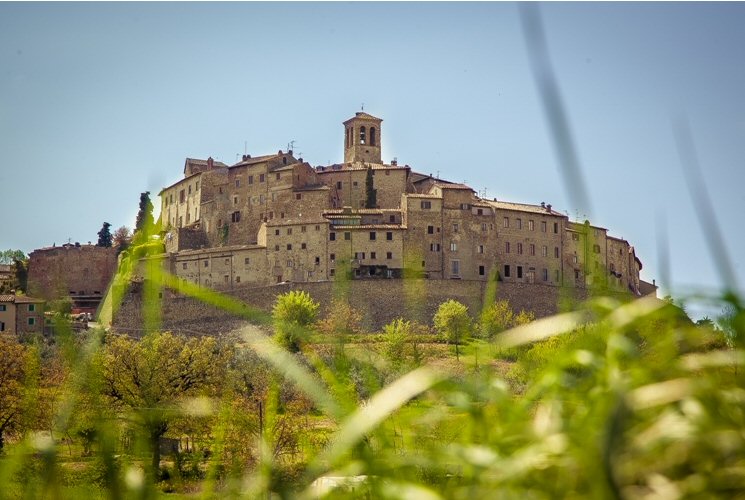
x=364, y=116
x=255, y=159
x=524, y=207
x=20, y=299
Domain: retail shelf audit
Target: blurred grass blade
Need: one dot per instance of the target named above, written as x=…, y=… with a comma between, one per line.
x=553, y=106
x=370, y=415
x=286, y=364
x=660, y=393
x=541, y=329
x=702, y=203
x=714, y=359
x=632, y=311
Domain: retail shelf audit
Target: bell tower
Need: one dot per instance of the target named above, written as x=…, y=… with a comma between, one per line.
x=362, y=138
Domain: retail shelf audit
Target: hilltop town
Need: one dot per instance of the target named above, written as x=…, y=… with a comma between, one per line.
x=275, y=218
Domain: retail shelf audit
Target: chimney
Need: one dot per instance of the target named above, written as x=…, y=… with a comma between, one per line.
x=210, y=163
x=279, y=152
x=394, y=162
x=548, y=207
x=289, y=152
x=543, y=204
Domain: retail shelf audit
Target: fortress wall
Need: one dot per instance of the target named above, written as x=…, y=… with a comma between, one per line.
x=379, y=301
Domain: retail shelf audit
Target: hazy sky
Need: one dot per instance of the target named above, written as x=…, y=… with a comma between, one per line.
x=99, y=102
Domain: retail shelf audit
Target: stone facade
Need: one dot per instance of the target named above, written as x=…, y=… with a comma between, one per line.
x=81, y=272
x=274, y=218
x=21, y=315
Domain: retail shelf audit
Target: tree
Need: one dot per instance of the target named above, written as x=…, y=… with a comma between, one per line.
x=341, y=320
x=371, y=194
x=12, y=374
x=122, y=238
x=499, y=317
x=145, y=223
x=452, y=321
x=9, y=256
x=293, y=312
x=150, y=377
x=104, y=236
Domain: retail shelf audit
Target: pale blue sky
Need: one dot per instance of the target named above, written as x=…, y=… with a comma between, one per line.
x=99, y=102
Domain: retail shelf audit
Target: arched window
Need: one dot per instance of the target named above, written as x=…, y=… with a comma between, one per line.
x=349, y=137
x=372, y=136
x=362, y=135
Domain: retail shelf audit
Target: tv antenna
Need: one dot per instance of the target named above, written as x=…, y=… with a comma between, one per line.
x=291, y=145
x=362, y=106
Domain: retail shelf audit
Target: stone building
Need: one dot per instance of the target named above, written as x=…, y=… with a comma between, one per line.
x=80, y=272
x=20, y=315
x=274, y=218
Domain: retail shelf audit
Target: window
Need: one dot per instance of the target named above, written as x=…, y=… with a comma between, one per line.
x=556, y=275
x=3, y=307
x=545, y=274
x=298, y=196
x=479, y=211
x=481, y=249
x=372, y=136
x=392, y=219
x=347, y=235
x=276, y=248
x=237, y=279
x=372, y=235
x=455, y=227
x=543, y=226
x=31, y=321
x=372, y=255
x=482, y=270
x=261, y=177
x=278, y=177
x=434, y=247
x=426, y=205
x=235, y=200
x=332, y=272
x=227, y=261
x=250, y=179
x=575, y=259
x=318, y=227
x=332, y=257
x=2, y=326
x=575, y=237
x=519, y=271
x=455, y=267
x=519, y=248
x=362, y=135
x=246, y=261
x=359, y=255
x=332, y=236
x=183, y=266
x=354, y=184
x=290, y=263
x=544, y=251
x=453, y=246
x=303, y=246
x=318, y=260
x=289, y=231
x=556, y=252
x=556, y=228
x=506, y=247
x=338, y=185
x=506, y=222
x=483, y=226
x=507, y=271
x=289, y=246
x=389, y=236
x=389, y=255
x=531, y=249
x=219, y=222
x=596, y=248
x=430, y=229
x=206, y=263
x=519, y=223
x=235, y=217
x=531, y=225
x=276, y=232
x=576, y=274
x=181, y=196
x=237, y=183
x=31, y=308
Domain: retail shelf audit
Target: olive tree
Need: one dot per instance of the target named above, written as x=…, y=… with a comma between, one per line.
x=453, y=322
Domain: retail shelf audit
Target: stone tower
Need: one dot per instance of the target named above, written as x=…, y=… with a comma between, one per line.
x=362, y=139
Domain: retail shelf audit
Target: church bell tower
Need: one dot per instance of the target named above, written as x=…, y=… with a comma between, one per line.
x=362, y=139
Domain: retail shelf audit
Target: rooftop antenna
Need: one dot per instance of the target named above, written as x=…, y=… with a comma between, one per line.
x=438, y=174
x=291, y=145
x=363, y=106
